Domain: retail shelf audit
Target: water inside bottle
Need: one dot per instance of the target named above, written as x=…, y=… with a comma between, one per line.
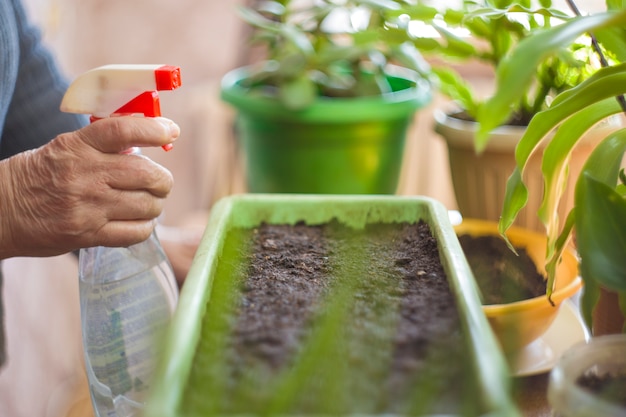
x=122, y=321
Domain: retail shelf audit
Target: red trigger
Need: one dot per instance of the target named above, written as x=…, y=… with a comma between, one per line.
x=146, y=103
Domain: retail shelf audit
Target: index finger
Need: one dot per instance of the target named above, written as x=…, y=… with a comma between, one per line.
x=117, y=134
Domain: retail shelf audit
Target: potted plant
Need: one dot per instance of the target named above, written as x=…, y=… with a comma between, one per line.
x=485, y=32
x=598, y=218
x=325, y=110
x=597, y=222
x=306, y=304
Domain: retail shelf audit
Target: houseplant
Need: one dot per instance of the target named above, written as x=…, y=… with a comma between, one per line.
x=324, y=110
x=597, y=222
x=485, y=32
x=598, y=218
x=195, y=323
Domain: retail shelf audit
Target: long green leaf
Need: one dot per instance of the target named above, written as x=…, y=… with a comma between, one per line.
x=256, y=19
x=515, y=198
x=613, y=39
x=516, y=72
x=609, y=82
x=601, y=215
x=588, y=300
x=602, y=255
x=289, y=32
x=599, y=85
x=555, y=251
x=419, y=12
x=455, y=45
x=517, y=8
x=556, y=156
x=455, y=87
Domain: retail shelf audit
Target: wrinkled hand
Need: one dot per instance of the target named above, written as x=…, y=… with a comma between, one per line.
x=79, y=190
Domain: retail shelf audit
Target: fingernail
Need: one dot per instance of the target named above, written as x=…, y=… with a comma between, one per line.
x=172, y=128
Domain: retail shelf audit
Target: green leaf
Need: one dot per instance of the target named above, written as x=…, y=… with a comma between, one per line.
x=600, y=85
x=614, y=40
x=588, y=300
x=427, y=45
x=407, y=55
x=419, y=12
x=366, y=37
x=256, y=19
x=518, y=8
x=297, y=38
x=602, y=254
x=271, y=7
x=606, y=83
x=455, y=46
x=454, y=86
x=615, y=4
x=298, y=93
x=290, y=33
x=515, y=198
x=601, y=215
x=554, y=164
x=516, y=72
x=380, y=4
x=555, y=250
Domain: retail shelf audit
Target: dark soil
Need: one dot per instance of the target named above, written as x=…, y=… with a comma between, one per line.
x=502, y=276
x=516, y=119
x=379, y=361
x=610, y=386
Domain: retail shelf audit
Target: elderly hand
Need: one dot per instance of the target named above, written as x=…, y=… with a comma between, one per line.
x=79, y=190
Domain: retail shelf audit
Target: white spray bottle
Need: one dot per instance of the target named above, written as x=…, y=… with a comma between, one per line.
x=127, y=295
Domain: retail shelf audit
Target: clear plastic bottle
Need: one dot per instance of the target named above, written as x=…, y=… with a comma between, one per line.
x=127, y=297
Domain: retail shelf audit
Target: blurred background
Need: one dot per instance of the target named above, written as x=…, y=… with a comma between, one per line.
x=45, y=375
x=206, y=39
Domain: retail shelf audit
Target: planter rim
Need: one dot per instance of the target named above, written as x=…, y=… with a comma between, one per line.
x=395, y=105
x=460, y=133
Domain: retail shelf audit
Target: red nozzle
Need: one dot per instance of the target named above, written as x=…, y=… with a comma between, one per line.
x=167, y=77
x=133, y=87
x=147, y=103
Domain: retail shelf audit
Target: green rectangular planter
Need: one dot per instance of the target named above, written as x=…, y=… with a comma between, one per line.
x=489, y=372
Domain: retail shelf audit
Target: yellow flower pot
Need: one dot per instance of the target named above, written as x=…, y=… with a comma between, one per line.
x=518, y=324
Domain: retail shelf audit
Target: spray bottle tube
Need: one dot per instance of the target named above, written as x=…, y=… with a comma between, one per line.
x=127, y=295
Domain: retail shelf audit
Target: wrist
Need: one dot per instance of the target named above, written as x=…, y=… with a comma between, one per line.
x=6, y=210
x=10, y=214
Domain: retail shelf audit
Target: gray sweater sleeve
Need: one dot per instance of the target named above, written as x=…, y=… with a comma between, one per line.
x=33, y=116
x=31, y=89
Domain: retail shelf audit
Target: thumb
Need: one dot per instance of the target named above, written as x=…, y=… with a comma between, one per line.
x=117, y=134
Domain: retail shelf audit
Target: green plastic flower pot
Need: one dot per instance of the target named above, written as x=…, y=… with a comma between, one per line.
x=335, y=146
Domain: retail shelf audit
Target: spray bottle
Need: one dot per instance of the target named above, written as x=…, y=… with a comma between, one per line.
x=127, y=295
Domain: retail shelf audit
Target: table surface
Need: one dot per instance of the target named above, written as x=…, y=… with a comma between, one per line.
x=530, y=394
